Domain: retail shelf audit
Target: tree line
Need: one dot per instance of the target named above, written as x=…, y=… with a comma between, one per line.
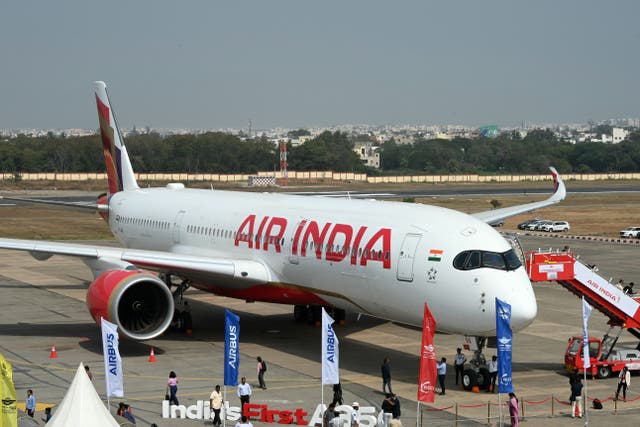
x=217, y=152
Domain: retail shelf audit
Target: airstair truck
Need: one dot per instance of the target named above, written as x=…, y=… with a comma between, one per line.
x=623, y=311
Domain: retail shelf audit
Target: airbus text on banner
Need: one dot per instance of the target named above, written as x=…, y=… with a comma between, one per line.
x=330, y=354
x=586, y=312
x=9, y=414
x=505, y=341
x=112, y=360
x=231, y=348
x=428, y=371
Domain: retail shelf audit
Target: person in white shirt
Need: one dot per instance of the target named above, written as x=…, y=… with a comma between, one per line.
x=493, y=373
x=442, y=373
x=458, y=363
x=355, y=415
x=244, y=392
x=244, y=422
x=215, y=402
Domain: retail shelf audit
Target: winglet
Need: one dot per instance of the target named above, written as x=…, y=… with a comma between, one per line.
x=119, y=171
x=558, y=184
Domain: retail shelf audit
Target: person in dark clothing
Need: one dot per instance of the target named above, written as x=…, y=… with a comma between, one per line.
x=628, y=289
x=337, y=394
x=385, y=371
x=576, y=397
x=388, y=404
x=396, y=407
x=261, y=368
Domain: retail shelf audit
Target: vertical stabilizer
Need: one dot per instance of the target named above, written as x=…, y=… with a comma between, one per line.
x=119, y=171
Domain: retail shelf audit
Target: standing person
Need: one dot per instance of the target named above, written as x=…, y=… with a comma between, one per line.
x=337, y=394
x=385, y=371
x=261, y=368
x=628, y=289
x=576, y=397
x=215, y=402
x=87, y=369
x=458, y=363
x=31, y=403
x=387, y=404
x=624, y=381
x=329, y=415
x=47, y=415
x=514, y=410
x=396, y=407
x=355, y=415
x=493, y=373
x=172, y=388
x=442, y=373
x=244, y=392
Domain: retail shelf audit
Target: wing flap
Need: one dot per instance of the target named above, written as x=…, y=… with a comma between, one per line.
x=240, y=271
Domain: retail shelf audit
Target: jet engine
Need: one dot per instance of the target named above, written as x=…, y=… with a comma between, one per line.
x=138, y=302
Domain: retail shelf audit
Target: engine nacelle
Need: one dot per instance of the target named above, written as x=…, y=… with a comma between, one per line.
x=138, y=302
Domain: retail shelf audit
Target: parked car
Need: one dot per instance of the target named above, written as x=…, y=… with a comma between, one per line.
x=556, y=226
x=523, y=225
x=631, y=231
x=535, y=225
x=540, y=226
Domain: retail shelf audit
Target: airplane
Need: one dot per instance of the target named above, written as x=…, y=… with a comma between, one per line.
x=379, y=258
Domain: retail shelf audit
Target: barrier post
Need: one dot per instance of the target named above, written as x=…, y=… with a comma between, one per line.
x=488, y=412
x=615, y=406
x=552, y=405
x=522, y=406
x=456, y=421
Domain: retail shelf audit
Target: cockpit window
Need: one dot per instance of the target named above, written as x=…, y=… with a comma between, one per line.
x=470, y=260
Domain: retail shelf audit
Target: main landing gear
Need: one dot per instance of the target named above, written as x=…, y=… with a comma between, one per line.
x=182, y=320
x=312, y=314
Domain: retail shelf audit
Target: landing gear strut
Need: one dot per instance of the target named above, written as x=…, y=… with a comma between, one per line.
x=312, y=314
x=181, y=320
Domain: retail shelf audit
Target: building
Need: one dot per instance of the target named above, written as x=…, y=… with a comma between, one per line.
x=619, y=135
x=368, y=154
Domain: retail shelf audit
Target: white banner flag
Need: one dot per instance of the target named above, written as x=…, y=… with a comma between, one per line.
x=112, y=360
x=586, y=312
x=330, y=354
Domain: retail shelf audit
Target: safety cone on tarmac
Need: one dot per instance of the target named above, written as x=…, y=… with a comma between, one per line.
x=53, y=354
x=152, y=356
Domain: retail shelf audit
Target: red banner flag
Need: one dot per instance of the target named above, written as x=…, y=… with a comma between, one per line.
x=428, y=372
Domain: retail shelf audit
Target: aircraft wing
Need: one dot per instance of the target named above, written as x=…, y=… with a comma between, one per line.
x=497, y=215
x=239, y=271
x=83, y=206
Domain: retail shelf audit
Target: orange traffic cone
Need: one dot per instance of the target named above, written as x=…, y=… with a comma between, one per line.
x=475, y=389
x=152, y=356
x=53, y=354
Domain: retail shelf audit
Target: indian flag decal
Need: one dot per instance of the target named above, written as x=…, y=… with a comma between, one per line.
x=435, y=255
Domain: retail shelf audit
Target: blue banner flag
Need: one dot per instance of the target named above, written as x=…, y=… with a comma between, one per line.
x=505, y=341
x=231, y=348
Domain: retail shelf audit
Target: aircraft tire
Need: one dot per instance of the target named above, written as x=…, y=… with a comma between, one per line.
x=469, y=379
x=484, y=379
x=604, y=372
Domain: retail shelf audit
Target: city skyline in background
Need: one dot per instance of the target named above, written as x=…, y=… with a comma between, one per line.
x=291, y=64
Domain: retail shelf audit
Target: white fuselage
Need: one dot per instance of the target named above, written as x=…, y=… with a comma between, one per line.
x=385, y=259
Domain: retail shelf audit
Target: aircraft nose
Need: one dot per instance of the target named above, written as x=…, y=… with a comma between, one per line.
x=525, y=308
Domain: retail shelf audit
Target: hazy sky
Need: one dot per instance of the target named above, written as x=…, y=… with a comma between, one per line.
x=213, y=64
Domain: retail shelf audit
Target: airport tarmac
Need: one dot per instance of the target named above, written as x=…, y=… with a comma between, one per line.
x=42, y=304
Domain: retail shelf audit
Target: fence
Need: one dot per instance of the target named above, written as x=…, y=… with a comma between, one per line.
x=318, y=176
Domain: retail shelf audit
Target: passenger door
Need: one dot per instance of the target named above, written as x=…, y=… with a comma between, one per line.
x=407, y=256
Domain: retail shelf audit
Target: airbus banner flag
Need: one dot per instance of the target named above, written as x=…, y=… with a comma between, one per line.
x=586, y=312
x=112, y=360
x=428, y=370
x=505, y=340
x=330, y=354
x=231, y=348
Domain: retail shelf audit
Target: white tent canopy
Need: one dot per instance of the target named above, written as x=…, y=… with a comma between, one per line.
x=81, y=406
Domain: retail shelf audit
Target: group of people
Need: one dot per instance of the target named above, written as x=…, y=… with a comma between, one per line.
x=126, y=411
x=627, y=289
